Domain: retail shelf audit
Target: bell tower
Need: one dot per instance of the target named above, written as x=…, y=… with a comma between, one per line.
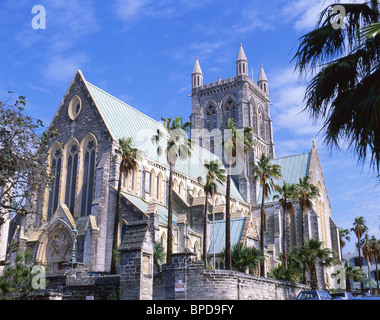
x=241, y=99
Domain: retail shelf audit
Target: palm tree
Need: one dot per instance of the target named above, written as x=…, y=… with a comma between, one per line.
x=344, y=92
x=158, y=255
x=177, y=145
x=311, y=255
x=290, y=272
x=265, y=171
x=359, y=229
x=305, y=192
x=344, y=235
x=368, y=255
x=236, y=144
x=128, y=163
x=215, y=174
x=351, y=272
x=375, y=247
x=287, y=190
x=245, y=258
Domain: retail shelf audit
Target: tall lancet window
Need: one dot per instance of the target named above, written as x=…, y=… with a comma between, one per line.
x=71, y=176
x=88, y=177
x=230, y=110
x=210, y=117
x=56, y=166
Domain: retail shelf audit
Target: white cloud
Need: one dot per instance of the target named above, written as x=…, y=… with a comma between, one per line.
x=62, y=68
x=287, y=109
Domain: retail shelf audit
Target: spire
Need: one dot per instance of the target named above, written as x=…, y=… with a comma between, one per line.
x=262, y=76
x=241, y=63
x=263, y=81
x=197, y=75
x=241, y=55
x=197, y=68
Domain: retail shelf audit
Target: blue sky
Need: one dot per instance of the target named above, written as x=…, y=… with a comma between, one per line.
x=143, y=52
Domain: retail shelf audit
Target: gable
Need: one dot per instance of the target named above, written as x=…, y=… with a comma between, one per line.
x=293, y=168
x=88, y=120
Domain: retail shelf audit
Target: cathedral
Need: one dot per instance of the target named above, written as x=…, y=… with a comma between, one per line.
x=82, y=196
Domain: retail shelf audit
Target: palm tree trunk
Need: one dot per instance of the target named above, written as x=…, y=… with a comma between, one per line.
x=377, y=275
x=205, y=220
x=228, y=261
x=348, y=285
x=262, y=226
x=284, y=235
x=313, y=277
x=169, y=248
x=116, y=221
x=369, y=276
x=360, y=265
x=303, y=209
x=303, y=241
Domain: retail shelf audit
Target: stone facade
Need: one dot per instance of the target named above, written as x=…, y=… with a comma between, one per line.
x=82, y=197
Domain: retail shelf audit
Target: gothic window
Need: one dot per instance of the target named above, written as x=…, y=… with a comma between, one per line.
x=292, y=228
x=159, y=187
x=88, y=177
x=210, y=117
x=181, y=189
x=230, y=110
x=131, y=180
x=260, y=124
x=122, y=230
x=71, y=176
x=259, y=120
x=56, y=167
x=151, y=183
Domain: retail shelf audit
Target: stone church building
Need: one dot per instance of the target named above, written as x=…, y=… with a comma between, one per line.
x=82, y=196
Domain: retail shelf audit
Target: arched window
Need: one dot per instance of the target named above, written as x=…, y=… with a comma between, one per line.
x=260, y=124
x=181, y=189
x=89, y=153
x=230, y=110
x=259, y=121
x=122, y=230
x=292, y=227
x=210, y=117
x=56, y=167
x=131, y=180
x=71, y=175
x=152, y=176
x=159, y=187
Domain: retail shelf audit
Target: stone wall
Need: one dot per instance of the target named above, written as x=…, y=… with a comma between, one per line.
x=188, y=280
x=82, y=288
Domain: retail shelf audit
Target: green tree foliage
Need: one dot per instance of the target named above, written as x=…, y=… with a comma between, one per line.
x=244, y=258
x=344, y=92
x=19, y=279
x=265, y=172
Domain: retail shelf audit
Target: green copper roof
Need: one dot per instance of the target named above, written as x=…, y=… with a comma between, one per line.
x=292, y=169
x=237, y=226
x=125, y=121
x=142, y=205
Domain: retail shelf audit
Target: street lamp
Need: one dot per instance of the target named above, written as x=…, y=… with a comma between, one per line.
x=74, y=249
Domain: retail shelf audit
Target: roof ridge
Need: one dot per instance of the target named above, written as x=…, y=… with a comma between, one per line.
x=293, y=155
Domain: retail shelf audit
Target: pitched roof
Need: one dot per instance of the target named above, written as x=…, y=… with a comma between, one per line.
x=241, y=55
x=237, y=226
x=293, y=168
x=142, y=205
x=126, y=121
x=197, y=67
x=262, y=75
